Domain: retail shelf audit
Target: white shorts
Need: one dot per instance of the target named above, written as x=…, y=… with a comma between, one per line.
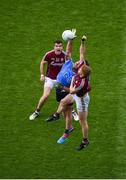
x=82, y=103
x=49, y=82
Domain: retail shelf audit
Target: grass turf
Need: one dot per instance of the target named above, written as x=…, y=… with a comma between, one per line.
x=29, y=149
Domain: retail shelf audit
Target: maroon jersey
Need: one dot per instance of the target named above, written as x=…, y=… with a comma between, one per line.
x=54, y=63
x=81, y=85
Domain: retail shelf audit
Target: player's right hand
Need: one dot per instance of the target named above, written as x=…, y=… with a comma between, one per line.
x=42, y=77
x=74, y=33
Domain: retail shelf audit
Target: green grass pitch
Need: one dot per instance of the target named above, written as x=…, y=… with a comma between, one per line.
x=28, y=149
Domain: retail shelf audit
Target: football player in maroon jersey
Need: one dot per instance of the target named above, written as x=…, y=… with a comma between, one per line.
x=54, y=60
x=79, y=93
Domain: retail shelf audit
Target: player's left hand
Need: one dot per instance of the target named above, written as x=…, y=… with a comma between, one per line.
x=84, y=38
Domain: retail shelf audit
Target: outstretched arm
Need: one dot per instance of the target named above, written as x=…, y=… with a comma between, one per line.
x=70, y=45
x=69, y=49
x=82, y=48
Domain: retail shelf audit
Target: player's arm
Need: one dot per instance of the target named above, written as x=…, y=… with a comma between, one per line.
x=66, y=89
x=42, y=64
x=72, y=87
x=82, y=48
x=69, y=49
x=82, y=54
x=70, y=45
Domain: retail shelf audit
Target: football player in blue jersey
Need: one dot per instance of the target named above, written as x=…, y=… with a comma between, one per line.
x=63, y=83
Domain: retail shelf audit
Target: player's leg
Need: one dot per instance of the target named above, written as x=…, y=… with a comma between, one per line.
x=82, y=108
x=49, y=84
x=68, y=118
x=42, y=100
x=83, y=123
x=64, y=102
x=68, y=127
x=55, y=116
x=84, y=127
x=59, y=95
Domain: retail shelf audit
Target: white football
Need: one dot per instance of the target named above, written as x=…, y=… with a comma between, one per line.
x=67, y=34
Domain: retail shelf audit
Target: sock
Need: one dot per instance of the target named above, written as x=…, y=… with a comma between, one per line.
x=56, y=114
x=37, y=112
x=85, y=140
x=66, y=131
x=65, y=135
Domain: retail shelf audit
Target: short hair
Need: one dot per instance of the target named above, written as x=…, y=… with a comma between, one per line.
x=86, y=70
x=58, y=41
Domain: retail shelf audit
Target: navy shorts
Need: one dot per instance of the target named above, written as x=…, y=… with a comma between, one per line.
x=60, y=94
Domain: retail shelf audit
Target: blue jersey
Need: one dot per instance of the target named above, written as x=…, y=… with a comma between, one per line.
x=66, y=73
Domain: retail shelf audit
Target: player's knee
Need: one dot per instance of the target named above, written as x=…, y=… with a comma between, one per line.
x=84, y=122
x=46, y=96
x=62, y=102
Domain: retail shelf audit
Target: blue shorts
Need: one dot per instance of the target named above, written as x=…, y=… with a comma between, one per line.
x=60, y=94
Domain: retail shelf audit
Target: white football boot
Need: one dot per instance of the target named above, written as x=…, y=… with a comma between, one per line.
x=75, y=115
x=33, y=116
